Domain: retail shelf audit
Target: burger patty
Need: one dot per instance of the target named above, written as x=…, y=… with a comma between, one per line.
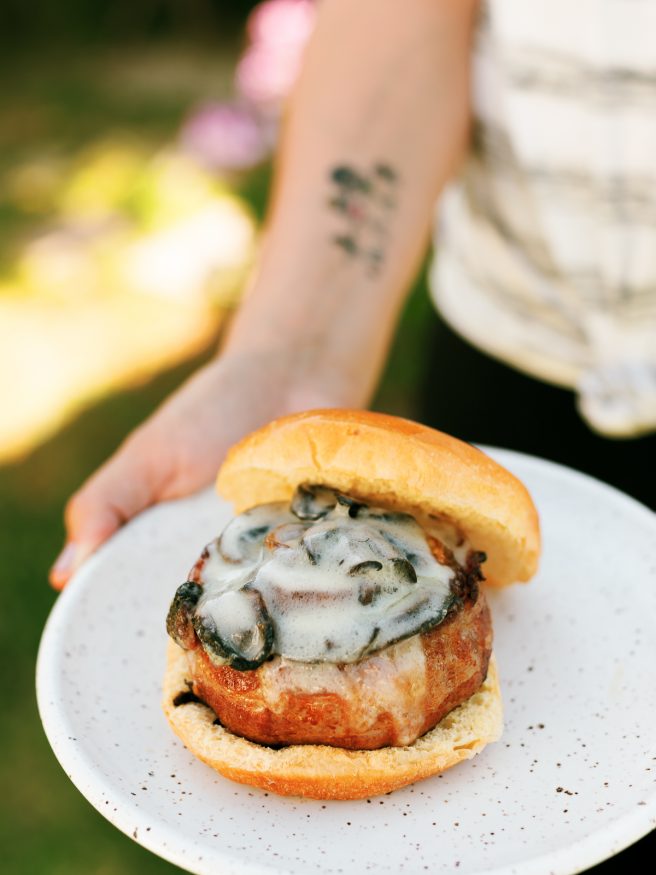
x=389, y=698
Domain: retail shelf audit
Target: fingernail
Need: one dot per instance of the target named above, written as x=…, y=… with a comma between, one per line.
x=64, y=565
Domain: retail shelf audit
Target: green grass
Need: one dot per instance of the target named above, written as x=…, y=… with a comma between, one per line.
x=46, y=826
x=56, y=103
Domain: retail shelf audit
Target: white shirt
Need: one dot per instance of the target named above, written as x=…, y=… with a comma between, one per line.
x=547, y=242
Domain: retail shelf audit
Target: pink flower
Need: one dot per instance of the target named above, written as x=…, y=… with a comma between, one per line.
x=266, y=77
x=281, y=22
x=226, y=136
x=279, y=30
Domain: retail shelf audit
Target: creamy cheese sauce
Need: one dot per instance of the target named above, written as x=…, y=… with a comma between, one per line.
x=326, y=579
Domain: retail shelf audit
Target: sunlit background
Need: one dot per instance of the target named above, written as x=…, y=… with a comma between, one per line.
x=135, y=146
x=131, y=193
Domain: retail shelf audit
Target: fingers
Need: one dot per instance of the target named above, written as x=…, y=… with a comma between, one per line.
x=80, y=545
x=119, y=490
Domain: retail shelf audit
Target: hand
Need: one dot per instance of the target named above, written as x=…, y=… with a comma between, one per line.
x=179, y=449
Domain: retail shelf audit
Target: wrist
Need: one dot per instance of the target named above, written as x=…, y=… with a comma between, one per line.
x=287, y=378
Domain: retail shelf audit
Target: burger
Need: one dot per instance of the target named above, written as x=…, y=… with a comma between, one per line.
x=335, y=640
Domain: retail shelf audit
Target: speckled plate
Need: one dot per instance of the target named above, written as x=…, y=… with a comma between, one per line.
x=571, y=782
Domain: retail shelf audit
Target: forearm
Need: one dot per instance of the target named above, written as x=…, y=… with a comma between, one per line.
x=384, y=83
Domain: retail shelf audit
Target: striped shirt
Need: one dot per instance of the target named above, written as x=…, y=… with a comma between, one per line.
x=547, y=240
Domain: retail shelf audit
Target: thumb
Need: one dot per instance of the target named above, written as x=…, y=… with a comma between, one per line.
x=119, y=490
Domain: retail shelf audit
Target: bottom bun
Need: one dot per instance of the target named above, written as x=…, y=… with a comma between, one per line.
x=320, y=771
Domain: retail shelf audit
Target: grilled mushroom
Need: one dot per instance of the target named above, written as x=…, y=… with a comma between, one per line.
x=238, y=631
x=417, y=612
x=353, y=507
x=242, y=538
x=405, y=570
x=365, y=568
x=377, y=579
x=311, y=502
x=179, y=619
x=326, y=542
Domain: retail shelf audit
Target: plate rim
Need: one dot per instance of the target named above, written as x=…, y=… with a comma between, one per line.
x=582, y=854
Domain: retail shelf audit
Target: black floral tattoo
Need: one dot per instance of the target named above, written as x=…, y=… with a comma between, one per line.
x=365, y=202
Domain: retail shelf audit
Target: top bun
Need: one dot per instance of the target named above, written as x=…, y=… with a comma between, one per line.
x=391, y=462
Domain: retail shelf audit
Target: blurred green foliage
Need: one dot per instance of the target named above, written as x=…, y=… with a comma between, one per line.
x=46, y=826
x=56, y=104
x=55, y=101
x=63, y=22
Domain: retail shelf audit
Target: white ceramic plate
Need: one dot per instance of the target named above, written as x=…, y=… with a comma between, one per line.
x=571, y=782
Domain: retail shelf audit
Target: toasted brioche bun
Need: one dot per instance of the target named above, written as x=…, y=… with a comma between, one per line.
x=394, y=463
x=322, y=772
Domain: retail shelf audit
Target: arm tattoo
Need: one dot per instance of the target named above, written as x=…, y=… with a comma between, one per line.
x=365, y=203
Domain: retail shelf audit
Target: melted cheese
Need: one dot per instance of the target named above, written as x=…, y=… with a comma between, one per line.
x=391, y=682
x=335, y=588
